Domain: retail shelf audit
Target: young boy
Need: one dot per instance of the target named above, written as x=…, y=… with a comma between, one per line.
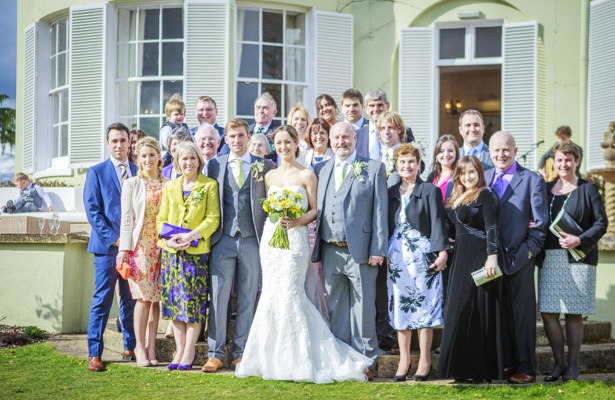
x=175, y=110
x=31, y=196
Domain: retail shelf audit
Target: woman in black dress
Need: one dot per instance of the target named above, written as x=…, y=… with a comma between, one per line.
x=471, y=349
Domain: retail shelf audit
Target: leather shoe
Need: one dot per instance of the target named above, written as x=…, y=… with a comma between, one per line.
x=510, y=371
x=553, y=378
x=95, y=364
x=522, y=378
x=369, y=374
x=235, y=362
x=212, y=365
x=128, y=355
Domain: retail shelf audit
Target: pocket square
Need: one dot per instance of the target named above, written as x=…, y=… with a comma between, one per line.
x=168, y=230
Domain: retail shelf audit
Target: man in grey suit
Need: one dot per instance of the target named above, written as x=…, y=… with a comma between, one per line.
x=351, y=242
x=235, y=244
x=472, y=129
x=523, y=225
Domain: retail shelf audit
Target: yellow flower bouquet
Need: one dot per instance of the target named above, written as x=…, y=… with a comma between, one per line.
x=281, y=204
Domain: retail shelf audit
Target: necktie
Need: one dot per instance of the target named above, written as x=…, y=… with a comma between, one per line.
x=239, y=177
x=124, y=173
x=498, y=185
x=341, y=175
x=259, y=130
x=387, y=162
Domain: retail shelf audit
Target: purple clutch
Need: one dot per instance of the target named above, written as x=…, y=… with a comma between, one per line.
x=168, y=230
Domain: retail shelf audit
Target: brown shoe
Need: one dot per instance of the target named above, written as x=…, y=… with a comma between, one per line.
x=95, y=364
x=510, y=371
x=370, y=375
x=235, y=362
x=128, y=355
x=522, y=378
x=212, y=365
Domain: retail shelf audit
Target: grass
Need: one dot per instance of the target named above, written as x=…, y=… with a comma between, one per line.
x=39, y=372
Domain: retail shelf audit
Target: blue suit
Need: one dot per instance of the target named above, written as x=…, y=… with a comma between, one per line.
x=102, y=202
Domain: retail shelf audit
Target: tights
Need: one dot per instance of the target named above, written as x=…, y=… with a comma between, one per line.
x=574, y=337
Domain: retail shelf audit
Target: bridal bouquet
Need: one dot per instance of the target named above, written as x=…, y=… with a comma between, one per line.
x=280, y=204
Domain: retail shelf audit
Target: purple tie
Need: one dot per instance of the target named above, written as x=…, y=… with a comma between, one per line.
x=498, y=184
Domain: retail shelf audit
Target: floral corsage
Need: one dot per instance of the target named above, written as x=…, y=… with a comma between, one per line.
x=256, y=169
x=357, y=170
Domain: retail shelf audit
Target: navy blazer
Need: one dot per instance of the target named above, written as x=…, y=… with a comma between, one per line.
x=424, y=212
x=524, y=200
x=102, y=200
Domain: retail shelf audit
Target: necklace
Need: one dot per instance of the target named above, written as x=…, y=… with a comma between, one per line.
x=553, y=200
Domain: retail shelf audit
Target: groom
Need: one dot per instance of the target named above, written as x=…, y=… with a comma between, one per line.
x=351, y=239
x=235, y=251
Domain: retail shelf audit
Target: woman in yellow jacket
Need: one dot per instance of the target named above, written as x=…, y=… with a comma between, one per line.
x=190, y=201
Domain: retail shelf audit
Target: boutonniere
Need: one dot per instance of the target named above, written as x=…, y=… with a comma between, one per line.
x=357, y=170
x=256, y=169
x=196, y=196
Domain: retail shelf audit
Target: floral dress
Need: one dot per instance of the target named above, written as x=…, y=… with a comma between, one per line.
x=145, y=259
x=415, y=292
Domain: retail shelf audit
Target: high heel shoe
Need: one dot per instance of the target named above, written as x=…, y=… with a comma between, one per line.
x=186, y=367
x=402, y=378
x=553, y=378
x=172, y=367
x=422, y=378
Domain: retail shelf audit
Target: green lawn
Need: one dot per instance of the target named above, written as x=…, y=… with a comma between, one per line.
x=40, y=372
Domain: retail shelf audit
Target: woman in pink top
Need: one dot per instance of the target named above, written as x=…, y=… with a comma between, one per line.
x=445, y=161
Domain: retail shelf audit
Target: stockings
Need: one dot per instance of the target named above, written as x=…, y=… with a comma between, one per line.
x=574, y=336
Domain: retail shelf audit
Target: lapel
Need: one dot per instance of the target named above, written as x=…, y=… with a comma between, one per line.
x=352, y=178
x=222, y=168
x=515, y=181
x=113, y=175
x=325, y=173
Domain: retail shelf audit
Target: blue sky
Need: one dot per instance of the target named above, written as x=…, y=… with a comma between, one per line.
x=8, y=43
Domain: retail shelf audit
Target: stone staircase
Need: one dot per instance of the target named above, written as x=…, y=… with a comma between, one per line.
x=597, y=351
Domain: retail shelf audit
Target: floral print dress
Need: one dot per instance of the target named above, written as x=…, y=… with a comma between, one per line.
x=145, y=259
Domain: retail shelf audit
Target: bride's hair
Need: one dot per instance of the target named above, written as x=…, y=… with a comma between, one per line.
x=293, y=135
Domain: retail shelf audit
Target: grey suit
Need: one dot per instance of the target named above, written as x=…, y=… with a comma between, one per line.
x=483, y=156
x=235, y=251
x=524, y=200
x=350, y=281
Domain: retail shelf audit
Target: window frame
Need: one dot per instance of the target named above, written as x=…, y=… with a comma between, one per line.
x=470, y=43
x=55, y=93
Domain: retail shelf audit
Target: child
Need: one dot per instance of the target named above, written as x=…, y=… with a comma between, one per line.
x=31, y=196
x=175, y=109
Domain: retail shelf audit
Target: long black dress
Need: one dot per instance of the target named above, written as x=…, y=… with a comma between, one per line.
x=471, y=345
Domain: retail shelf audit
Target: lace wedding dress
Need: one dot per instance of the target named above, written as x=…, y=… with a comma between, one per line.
x=289, y=340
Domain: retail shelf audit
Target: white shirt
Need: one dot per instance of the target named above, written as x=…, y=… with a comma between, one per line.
x=357, y=125
x=118, y=170
x=247, y=158
x=263, y=128
x=374, y=143
x=469, y=151
x=340, y=166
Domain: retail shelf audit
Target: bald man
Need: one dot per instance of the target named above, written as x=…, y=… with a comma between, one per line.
x=523, y=199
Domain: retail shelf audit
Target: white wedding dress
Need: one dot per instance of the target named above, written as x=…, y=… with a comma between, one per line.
x=289, y=340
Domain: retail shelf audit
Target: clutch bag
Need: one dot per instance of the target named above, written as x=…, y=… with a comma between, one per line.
x=480, y=276
x=168, y=230
x=124, y=270
x=564, y=222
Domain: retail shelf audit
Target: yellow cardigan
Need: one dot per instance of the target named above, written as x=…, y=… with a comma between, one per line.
x=201, y=214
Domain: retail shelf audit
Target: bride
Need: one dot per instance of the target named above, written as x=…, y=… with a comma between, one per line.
x=289, y=339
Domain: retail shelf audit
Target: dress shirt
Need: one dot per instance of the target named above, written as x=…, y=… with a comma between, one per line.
x=341, y=166
x=374, y=142
x=247, y=158
x=359, y=124
x=506, y=178
x=118, y=169
x=468, y=151
x=263, y=129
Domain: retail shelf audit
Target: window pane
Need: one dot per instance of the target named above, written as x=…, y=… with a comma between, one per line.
x=272, y=27
x=272, y=62
x=149, y=59
x=249, y=61
x=173, y=58
x=294, y=94
x=127, y=98
x=64, y=105
x=452, y=43
x=249, y=25
x=151, y=126
x=54, y=39
x=151, y=23
x=54, y=76
x=275, y=91
x=62, y=75
x=55, y=99
x=126, y=60
x=169, y=89
x=150, y=98
x=489, y=41
x=64, y=140
x=295, y=28
x=62, y=35
x=295, y=64
x=131, y=123
x=246, y=94
x=55, y=141
x=172, y=26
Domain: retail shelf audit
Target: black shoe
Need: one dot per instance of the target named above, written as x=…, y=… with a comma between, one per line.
x=553, y=378
x=10, y=207
x=422, y=378
x=399, y=378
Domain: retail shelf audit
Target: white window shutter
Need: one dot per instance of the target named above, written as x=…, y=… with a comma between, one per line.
x=333, y=55
x=87, y=80
x=520, y=88
x=30, y=86
x=207, y=55
x=601, y=79
x=417, y=94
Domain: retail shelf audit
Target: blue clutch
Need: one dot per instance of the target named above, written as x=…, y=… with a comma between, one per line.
x=169, y=230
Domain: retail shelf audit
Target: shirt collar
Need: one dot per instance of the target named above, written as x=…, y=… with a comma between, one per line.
x=357, y=125
x=479, y=148
x=246, y=157
x=264, y=127
x=349, y=160
x=511, y=170
x=116, y=162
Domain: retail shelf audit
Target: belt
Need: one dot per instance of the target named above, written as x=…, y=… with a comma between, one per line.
x=339, y=244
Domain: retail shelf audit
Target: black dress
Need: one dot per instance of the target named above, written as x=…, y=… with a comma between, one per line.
x=471, y=345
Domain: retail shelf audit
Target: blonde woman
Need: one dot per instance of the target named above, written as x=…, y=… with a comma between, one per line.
x=299, y=118
x=140, y=203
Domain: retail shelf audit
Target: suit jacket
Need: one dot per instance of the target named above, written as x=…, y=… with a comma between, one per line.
x=218, y=168
x=524, y=200
x=449, y=187
x=271, y=128
x=365, y=209
x=102, y=203
x=424, y=212
x=483, y=156
x=201, y=215
x=586, y=207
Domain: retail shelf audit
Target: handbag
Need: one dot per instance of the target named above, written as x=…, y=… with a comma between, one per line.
x=124, y=269
x=169, y=230
x=431, y=258
x=480, y=276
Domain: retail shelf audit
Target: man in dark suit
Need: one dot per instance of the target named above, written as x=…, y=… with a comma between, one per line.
x=472, y=129
x=523, y=225
x=352, y=109
x=102, y=202
x=265, y=110
x=207, y=112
